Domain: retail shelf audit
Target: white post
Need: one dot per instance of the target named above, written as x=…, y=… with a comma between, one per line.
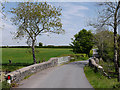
x=9, y=81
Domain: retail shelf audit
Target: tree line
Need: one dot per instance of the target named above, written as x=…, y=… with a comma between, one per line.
x=36, y=46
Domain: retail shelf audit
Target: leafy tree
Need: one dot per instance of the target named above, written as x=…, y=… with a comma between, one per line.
x=105, y=43
x=33, y=19
x=40, y=44
x=83, y=42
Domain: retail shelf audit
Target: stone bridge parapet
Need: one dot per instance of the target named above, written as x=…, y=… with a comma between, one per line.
x=20, y=74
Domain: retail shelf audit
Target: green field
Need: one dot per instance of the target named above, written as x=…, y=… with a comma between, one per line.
x=21, y=57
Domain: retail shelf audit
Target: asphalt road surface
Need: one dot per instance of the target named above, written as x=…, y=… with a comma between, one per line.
x=64, y=76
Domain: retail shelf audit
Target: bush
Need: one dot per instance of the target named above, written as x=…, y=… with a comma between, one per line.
x=78, y=57
x=91, y=53
x=116, y=86
x=5, y=85
x=40, y=44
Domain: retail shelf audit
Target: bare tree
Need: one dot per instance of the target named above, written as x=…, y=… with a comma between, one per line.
x=108, y=16
x=33, y=19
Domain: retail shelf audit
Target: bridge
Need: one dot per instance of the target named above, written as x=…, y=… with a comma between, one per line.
x=53, y=74
x=65, y=76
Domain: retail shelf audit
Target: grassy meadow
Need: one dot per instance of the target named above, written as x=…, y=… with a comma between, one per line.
x=21, y=57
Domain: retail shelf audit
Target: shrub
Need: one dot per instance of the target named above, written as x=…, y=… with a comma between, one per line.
x=91, y=53
x=116, y=86
x=5, y=85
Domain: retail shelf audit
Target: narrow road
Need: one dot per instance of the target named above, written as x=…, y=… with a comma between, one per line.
x=64, y=76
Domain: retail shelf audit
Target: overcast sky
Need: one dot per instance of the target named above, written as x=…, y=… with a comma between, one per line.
x=75, y=16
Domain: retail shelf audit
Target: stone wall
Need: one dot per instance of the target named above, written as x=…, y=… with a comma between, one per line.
x=20, y=74
x=93, y=62
x=62, y=60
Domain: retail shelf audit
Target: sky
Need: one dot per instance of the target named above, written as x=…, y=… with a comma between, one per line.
x=75, y=17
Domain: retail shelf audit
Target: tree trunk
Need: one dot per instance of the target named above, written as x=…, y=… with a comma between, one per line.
x=115, y=43
x=116, y=54
x=118, y=50
x=33, y=51
x=115, y=51
x=115, y=40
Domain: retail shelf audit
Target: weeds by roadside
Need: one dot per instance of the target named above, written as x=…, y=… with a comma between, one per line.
x=99, y=81
x=5, y=85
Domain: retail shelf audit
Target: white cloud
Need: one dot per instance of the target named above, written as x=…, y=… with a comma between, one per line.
x=8, y=34
x=73, y=10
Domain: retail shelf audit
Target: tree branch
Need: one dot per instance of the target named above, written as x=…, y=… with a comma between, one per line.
x=26, y=29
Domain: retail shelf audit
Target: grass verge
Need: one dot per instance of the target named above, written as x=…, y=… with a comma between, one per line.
x=99, y=81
